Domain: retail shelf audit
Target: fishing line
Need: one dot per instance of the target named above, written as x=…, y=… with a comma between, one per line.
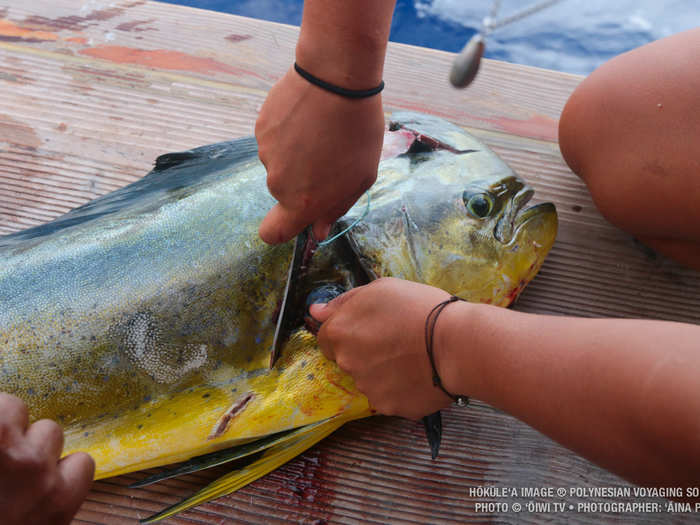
x=354, y=223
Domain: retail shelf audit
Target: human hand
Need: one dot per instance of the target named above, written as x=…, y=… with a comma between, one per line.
x=321, y=153
x=35, y=486
x=376, y=333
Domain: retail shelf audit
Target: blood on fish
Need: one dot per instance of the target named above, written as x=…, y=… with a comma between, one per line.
x=225, y=420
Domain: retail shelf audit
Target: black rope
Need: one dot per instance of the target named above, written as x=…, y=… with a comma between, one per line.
x=430, y=322
x=343, y=92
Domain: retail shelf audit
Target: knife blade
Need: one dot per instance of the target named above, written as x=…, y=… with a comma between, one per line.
x=284, y=327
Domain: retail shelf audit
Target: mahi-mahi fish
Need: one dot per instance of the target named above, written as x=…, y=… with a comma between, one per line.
x=143, y=320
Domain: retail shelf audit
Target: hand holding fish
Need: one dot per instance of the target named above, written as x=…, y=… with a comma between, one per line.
x=37, y=487
x=597, y=386
x=376, y=334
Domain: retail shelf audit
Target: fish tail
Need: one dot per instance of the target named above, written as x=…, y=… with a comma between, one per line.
x=272, y=458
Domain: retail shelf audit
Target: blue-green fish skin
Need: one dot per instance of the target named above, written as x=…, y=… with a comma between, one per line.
x=120, y=313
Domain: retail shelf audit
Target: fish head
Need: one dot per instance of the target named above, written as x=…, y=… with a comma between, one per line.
x=449, y=213
x=482, y=244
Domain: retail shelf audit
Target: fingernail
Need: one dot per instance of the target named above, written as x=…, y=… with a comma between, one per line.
x=323, y=232
x=312, y=324
x=317, y=306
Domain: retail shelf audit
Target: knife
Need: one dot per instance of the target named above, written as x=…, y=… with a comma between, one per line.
x=284, y=325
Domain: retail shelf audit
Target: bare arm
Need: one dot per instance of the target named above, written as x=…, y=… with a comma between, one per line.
x=623, y=393
x=321, y=150
x=345, y=42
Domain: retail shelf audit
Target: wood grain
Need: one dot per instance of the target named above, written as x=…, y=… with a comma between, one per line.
x=93, y=91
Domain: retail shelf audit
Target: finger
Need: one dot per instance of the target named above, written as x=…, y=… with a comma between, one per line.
x=321, y=229
x=326, y=312
x=324, y=343
x=279, y=225
x=76, y=473
x=338, y=211
x=46, y=437
x=321, y=312
x=13, y=414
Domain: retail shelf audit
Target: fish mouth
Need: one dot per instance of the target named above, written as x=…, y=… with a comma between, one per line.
x=538, y=223
x=511, y=216
x=526, y=215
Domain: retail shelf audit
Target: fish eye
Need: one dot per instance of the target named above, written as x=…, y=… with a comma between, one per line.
x=478, y=205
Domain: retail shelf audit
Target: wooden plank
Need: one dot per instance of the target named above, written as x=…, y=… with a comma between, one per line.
x=93, y=91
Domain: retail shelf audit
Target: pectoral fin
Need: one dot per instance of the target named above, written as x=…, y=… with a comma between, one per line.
x=271, y=459
x=433, y=431
x=228, y=455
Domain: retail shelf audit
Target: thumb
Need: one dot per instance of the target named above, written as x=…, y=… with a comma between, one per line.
x=280, y=225
x=321, y=312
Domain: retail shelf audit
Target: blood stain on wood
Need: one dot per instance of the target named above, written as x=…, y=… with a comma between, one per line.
x=135, y=26
x=11, y=32
x=538, y=127
x=74, y=22
x=88, y=75
x=302, y=485
x=162, y=59
x=77, y=23
x=238, y=38
x=18, y=134
x=77, y=85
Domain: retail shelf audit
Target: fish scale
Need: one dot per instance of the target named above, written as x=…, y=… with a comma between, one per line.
x=143, y=320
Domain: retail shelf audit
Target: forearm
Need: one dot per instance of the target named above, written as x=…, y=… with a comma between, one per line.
x=623, y=393
x=344, y=42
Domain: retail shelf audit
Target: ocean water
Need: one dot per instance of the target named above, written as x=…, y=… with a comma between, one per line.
x=575, y=36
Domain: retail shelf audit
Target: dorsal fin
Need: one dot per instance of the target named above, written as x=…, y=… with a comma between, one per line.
x=174, y=176
x=230, y=151
x=168, y=160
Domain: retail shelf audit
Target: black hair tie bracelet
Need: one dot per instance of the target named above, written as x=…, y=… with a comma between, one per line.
x=429, y=336
x=343, y=92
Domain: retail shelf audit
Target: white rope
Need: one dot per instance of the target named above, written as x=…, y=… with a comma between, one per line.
x=490, y=23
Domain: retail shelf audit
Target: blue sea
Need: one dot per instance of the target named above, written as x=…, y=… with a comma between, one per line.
x=574, y=36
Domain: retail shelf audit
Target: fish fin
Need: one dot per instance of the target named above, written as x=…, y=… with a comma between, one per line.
x=168, y=160
x=228, y=455
x=232, y=151
x=433, y=431
x=271, y=459
x=174, y=176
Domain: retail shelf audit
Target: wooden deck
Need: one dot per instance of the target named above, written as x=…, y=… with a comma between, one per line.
x=93, y=90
